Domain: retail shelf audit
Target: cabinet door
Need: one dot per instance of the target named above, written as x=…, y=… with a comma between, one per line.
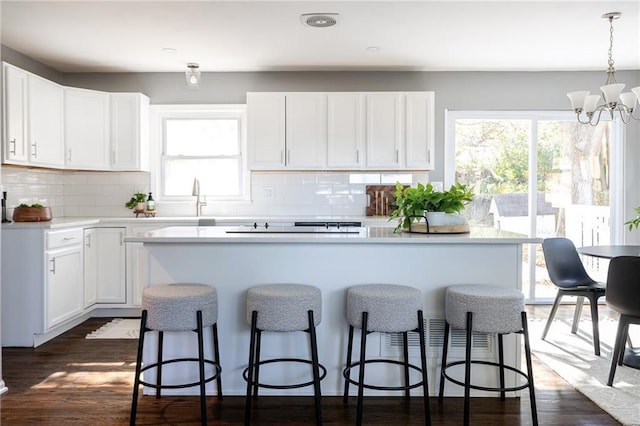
x=87, y=129
x=419, y=130
x=306, y=130
x=130, y=131
x=266, y=130
x=384, y=132
x=46, y=119
x=15, y=114
x=111, y=266
x=64, y=287
x=90, y=267
x=344, y=130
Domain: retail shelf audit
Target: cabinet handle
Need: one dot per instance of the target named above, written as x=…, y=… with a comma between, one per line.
x=35, y=149
x=88, y=237
x=281, y=156
x=53, y=266
x=12, y=150
x=428, y=156
x=397, y=157
x=69, y=155
x=121, y=238
x=357, y=156
x=68, y=238
x=288, y=157
x=114, y=156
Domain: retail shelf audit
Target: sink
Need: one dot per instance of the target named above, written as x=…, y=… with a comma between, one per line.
x=293, y=230
x=206, y=221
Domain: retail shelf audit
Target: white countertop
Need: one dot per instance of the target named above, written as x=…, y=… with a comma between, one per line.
x=221, y=234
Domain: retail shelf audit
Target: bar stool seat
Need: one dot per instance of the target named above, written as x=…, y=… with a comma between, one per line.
x=386, y=308
x=283, y=308
x=486, y=309
x=172, y=308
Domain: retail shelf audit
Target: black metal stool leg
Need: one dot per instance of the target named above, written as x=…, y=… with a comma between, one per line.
x=159, y=376
x=467, y=369
x=257, y=362
x=423, y=365
x=252, y=348
x=405, y=350
x=216, y=351
x=203, y=395
x=363, y=349
x=316, y=370
x=347, y=371
x=501, y=362
x=527, y=352
x=136, y=380
x=445, y=346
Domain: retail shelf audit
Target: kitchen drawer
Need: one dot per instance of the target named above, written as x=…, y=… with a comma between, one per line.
x=64, y=238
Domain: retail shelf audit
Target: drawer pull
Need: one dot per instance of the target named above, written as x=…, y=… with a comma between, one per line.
x=53, y=266
x=68, y=238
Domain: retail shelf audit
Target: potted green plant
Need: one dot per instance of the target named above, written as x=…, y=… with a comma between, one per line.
x=137, y=202
x=413, y=203
x=635, y=222
x=35, y=212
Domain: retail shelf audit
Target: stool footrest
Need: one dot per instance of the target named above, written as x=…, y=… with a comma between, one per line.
x=323, y=370
x=486, y=388
x=180, y=386
x=346, y=375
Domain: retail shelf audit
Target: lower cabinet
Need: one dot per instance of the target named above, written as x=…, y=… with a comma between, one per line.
x=104, y=277
x=64, y=293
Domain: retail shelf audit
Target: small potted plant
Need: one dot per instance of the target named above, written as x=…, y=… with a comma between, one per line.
x=414, y=203
x=35, y=212
x=137, y=202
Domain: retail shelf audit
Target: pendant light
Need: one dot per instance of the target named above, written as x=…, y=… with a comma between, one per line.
x=193, y=75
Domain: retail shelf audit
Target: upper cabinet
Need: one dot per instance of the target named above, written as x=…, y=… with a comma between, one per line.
x=129, y=131
x=87, y=129
x=49, y=125
x=33, y=119
x=46, y=122
x=333, y=131
x=15, y=115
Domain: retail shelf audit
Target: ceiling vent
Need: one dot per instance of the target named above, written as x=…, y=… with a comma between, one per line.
x=319, y=20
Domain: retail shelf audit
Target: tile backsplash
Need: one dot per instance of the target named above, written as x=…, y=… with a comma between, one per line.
x=90, y=194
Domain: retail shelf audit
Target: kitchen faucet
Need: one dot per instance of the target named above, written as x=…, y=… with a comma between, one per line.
x=196, y=192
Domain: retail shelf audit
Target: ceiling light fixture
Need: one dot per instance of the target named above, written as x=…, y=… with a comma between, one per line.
x=614, y=99
x=319, y=20
x=193, y=75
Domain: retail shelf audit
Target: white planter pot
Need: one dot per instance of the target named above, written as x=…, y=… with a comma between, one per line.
x=444, y=219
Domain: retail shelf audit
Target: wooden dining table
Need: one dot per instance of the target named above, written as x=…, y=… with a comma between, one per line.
x=631, y=354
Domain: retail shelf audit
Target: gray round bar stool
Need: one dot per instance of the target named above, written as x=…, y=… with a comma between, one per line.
x=479, y=308
x=179, y=307
x=386, y=308
x=283, y=308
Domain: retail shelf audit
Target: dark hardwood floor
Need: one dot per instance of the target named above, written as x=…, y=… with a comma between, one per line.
x=74, y=381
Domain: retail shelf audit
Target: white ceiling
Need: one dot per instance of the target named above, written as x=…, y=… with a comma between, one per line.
x=431, y=35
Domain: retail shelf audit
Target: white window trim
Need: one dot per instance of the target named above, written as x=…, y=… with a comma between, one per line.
x=161, y=112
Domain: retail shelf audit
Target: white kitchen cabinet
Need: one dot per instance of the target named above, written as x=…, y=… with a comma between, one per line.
x=129, y=132
x=46, y=121
x=64, y=292
x=384, y=130
x=344, y=130
x=15, y=115
x=91, y=257
x=266, y=130
x=419, y=131
x=111, y=276
x=306, y=130
x=87, y=129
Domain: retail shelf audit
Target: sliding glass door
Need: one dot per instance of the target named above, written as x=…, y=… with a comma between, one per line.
x=536, y=174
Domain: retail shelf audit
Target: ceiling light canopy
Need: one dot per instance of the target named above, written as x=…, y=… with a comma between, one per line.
x=193, y=75
x=319, y=20
x=614, y=99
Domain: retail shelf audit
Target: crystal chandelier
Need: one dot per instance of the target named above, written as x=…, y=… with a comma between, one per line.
x=614, y=99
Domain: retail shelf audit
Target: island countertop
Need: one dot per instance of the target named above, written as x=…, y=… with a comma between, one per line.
x=359, y=235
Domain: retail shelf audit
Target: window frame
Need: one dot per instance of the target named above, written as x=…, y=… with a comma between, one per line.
x=161, y=113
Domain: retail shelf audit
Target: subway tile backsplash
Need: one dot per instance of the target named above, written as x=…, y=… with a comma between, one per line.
x=103, y=194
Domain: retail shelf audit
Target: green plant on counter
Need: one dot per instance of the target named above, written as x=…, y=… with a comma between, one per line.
x=411, y=203
x=138, y=197
x=635, y=222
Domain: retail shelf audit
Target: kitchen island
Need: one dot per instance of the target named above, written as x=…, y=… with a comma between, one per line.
x=234, y=259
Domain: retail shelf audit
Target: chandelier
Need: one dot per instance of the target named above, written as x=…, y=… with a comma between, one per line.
x=614, y=99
